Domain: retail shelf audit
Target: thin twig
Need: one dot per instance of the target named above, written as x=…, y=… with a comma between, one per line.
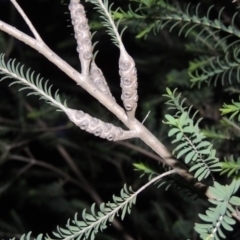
x=66, y=156
x=16, y=176
x=141, y=150
x=48, y=166
x=26, y=19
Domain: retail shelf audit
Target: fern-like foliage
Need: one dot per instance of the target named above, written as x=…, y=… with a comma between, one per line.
x=215, y=134
x=104, y=9
x=94, y=222
x=231, y=166
x=219, y=216
x=189, y=21
x=29, y=237
x=98, y=220
x=219, y=58
x=172, y=181
x=198, y=152
x=224, y=62
x=150, y=173
x=209, y=43
x=226, y=67
x=11, y=70
x=172, y=17
x=233, y=109
x=145, y=170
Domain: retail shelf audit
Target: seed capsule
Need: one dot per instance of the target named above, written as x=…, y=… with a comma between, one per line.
x=128, y=73
x=98, y=79
x=82, y=34
x=95, y=125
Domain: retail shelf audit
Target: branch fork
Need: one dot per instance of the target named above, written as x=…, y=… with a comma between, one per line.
x=92, y=80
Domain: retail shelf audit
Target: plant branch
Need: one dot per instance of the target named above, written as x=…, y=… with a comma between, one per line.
x=116, y=209
x=143, y=133
x=85, y=185
x=141, y=150
x=16, y=176
x=84, y=82
x=48, y=166
x=26, y=19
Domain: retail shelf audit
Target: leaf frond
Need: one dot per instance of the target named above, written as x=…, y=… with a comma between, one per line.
x=215, y=68
x=233, y=109
x=219, y=216
x=215, y=134
x=106, y=13
x=231, y=166
x=198, y=152
x=98, y=220
x=188, y=22
x=175, y=182
x=11, y=70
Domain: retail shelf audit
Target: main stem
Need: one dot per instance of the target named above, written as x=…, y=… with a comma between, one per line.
x=143, y=133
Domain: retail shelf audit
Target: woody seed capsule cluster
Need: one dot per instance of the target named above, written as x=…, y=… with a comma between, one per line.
x=98, y=79
x=82, y=34
x=128, y=73
x=98, y=127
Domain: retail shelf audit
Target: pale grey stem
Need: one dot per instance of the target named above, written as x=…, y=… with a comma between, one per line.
x=26, y=19
x=81, y=80
x=33, y=86
x=144, y=134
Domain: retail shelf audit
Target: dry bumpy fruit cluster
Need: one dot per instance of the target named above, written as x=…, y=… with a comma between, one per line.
x=82, y=34
x=90, y=69
x=128, y=73
x=98, y=79
x=95, y=126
